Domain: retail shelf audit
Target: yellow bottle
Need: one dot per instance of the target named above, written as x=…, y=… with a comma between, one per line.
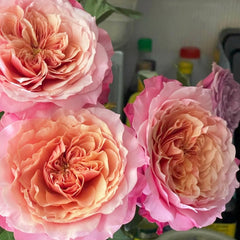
x=184, y=72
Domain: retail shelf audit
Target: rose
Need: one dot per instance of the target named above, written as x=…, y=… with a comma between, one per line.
x=51, y=52
x=67, y=175
x=225, y=95
x=189, y=154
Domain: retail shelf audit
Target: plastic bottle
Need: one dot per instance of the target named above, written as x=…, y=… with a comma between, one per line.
x=145, y=68
x=192, y=55
x=184, y=72
x=145, y=61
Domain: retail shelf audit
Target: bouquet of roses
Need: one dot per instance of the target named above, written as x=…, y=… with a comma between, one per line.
x=70, y=169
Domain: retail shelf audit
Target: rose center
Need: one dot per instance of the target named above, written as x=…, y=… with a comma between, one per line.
x=36, y=51
x=68, y=170
x=37, y=40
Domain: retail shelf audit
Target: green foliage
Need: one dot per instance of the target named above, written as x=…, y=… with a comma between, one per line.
x=101, y=9
x=1, y=114
x=5, y=235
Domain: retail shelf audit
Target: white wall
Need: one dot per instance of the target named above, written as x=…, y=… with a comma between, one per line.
x=174, y=23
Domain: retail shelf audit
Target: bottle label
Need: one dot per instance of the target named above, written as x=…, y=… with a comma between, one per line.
x=226, y=228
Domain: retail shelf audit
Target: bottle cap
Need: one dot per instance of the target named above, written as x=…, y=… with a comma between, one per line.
x=190, y=52
x=145, y=44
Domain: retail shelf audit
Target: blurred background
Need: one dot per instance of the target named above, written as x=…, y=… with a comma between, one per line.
x=171, y=25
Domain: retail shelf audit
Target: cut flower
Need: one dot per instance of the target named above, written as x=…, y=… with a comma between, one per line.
x=68, y=175
x=188, y=151
x=51, y=52
x=225, y=95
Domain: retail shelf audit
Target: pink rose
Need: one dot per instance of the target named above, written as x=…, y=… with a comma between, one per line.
x=189, y=154
x=51, y=52
x=225, y=95
x=68, y=175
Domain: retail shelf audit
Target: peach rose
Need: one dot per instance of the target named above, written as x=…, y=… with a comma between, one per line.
x=51, y=52
x=70, y=175
x=190, y=158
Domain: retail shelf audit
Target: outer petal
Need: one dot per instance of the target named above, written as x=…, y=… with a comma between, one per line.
x=75, y=4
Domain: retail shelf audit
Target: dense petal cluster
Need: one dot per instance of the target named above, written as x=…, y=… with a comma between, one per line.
x=68, y=176
x=189, y=153
x=225, y=95
x=51, y=53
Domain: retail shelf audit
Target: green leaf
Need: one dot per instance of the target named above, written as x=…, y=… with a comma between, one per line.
x=104, y=16
x=97, y=8
x=5, y=235
x=1, y=114
x=131, y=229
x=128, y=12
x=101, y=9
